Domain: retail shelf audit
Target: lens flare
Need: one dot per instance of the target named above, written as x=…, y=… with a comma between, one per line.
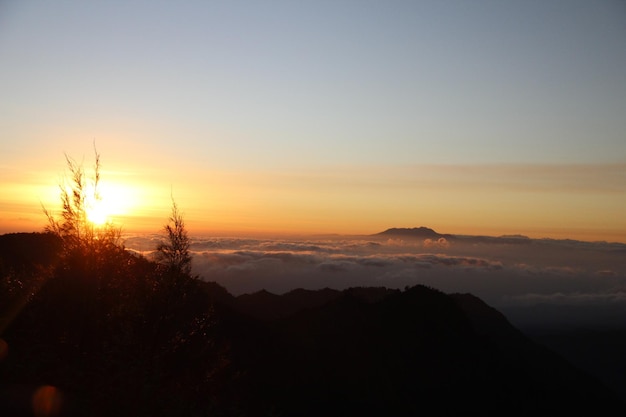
x=47, y=401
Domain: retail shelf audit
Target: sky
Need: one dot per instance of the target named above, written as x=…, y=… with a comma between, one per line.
x=298, y=117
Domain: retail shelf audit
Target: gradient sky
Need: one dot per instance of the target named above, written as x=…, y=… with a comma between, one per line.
x=487, y=117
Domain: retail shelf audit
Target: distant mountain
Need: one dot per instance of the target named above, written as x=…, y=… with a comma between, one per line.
x=504, y=239
x=427, y=233
x=416, y=232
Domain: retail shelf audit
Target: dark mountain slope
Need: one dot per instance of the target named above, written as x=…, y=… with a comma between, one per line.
x=140, y=343
x=408, y=353
x=267, y=306
x=27, y=251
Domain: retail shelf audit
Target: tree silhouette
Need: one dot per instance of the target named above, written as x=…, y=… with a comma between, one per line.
x=174, y=253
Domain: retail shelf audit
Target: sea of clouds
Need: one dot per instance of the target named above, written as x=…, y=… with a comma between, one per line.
x=532, y=282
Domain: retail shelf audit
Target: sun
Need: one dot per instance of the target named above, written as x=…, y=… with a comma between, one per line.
x=97, y=214
x=110, y=201
x=96, y=211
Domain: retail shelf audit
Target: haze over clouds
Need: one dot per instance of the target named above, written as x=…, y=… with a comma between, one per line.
x=518, y=276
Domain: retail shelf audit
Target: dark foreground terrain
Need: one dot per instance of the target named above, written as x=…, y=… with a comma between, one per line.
x=109, y=333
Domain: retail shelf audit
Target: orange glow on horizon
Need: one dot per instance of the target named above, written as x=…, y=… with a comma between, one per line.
x=137, y=197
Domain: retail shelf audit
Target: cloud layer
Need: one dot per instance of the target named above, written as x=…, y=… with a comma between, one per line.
x=520, y=277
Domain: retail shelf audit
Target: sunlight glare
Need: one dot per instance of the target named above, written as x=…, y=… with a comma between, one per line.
x=97, y=212
x=113, y=200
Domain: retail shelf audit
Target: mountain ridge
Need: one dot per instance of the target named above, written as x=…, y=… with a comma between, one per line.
x=335, y=355
x=190, y=344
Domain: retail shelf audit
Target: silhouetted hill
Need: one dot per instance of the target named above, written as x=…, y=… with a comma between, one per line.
x=415, y=233
x=119, y=335
x=402, y=354
x=484, y=319
x=267, y=306
x=28, y=250
x=216, y=293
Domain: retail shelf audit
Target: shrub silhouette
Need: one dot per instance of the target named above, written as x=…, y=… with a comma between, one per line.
x=118, y=333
